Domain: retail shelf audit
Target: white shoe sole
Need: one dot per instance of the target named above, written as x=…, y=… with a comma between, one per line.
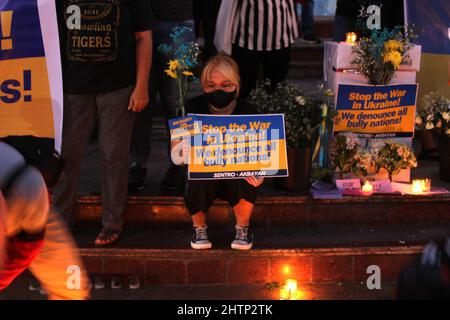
x=241, y=247
x=201, y=246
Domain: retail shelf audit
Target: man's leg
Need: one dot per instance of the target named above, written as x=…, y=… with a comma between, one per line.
x=308, y=23
x=248, y=62
x=115, y=124
x=210, y=11
x=276, y=65
x=58, y=266
x=308, y=18
x=79, y=121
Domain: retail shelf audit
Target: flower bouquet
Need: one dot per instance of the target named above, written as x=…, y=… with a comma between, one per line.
x=391, y=156
x=183, y=59
x=347, y=156
x=381, y=54
x=434, y=113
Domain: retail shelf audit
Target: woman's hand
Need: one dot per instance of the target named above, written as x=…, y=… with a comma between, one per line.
x=254, y=181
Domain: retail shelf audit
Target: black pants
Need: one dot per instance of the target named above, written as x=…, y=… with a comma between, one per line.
x=275, y=66
x=205, y=14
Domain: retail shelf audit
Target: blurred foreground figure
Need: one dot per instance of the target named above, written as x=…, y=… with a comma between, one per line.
x=430, y=278
x=31, y=235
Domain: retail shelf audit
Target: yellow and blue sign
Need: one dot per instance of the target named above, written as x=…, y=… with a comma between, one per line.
x=26, y=102
x=376, y=111
x=238, y=146
x=432, y=19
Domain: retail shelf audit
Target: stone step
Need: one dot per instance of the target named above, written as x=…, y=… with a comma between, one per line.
x=164, y=257
x=181, y=267
x=314, y=291
x=273, y=211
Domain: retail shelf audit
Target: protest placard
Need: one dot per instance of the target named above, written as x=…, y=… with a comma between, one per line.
x=376, y=111
x=30, y=70
x=233, y=147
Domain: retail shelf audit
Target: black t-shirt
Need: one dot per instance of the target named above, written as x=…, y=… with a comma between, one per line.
x=199, y=105
x=172, y=10
x=101, y=56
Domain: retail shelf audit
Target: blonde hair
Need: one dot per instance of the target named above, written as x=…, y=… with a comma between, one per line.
x=224, y=64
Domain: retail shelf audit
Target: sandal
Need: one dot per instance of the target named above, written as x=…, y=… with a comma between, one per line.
x=106, y=237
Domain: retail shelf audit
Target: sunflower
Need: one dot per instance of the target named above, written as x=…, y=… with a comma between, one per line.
x=391, y=45
x=393, y=57
x=173, y=65
x=170, y=73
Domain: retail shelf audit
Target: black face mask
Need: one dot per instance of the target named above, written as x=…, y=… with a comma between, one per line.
x=220, y=99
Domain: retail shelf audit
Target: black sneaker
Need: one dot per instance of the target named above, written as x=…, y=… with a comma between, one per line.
x=311, y=39
x=200, y=239
x=243, y=239
x=137, y=175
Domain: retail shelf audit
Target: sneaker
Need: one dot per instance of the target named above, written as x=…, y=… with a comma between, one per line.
x=311, y=39
x=200, y=239
x=134, y=283
x=116, y=283
x=137, y=174
x=243, y=239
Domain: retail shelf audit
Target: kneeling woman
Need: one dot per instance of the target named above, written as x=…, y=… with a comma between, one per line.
x=221, y=83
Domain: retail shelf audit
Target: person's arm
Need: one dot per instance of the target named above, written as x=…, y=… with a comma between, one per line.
x=139, y=97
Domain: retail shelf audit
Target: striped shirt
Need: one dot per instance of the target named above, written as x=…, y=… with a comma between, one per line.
x=265, y=25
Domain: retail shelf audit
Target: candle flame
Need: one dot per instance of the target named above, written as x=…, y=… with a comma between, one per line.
x=350, y=38
x=367, y=187
x=418, y=186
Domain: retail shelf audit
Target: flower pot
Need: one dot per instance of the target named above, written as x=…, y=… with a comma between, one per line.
x=299, y=166
x=444, y=155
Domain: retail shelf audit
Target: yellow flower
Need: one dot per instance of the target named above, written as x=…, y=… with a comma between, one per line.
x=170, y=73
x=393, y=57
x=188, y=73
x=391, y=45
x=173, y=65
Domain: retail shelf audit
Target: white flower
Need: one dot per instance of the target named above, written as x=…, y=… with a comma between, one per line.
x=439, y=124
x=446, y=116
x=330, y=93
x=429, y=126
x=430, y=117
x=447, y=132
x=300, y=100
x=375, y=146
x=418, y=121
x=352, y=141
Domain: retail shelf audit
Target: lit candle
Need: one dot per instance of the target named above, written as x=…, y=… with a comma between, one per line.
x=421, y=185
x=291, y=285
x=367, y=187
x=350, y=38
x=285, y=293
